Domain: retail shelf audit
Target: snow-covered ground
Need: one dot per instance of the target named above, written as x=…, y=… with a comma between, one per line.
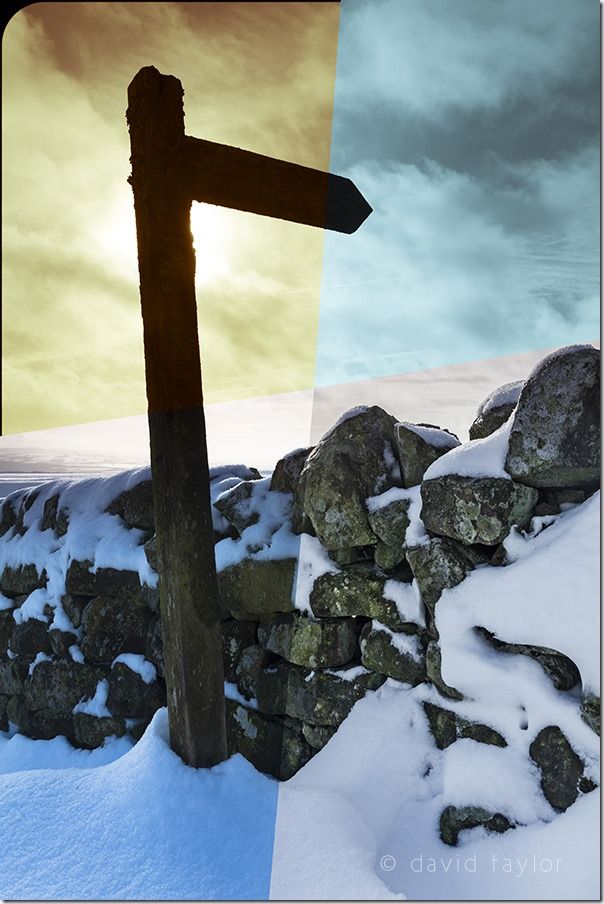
x=361, y=819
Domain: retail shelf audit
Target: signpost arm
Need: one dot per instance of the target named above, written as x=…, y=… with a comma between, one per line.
x=179, y=462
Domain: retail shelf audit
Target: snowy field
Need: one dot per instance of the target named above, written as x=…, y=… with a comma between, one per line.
x=361, y=819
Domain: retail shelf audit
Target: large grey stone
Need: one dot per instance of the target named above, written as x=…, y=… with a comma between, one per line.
x=454, y=820
x=555, y=437
x=590, y=711
x=561, y=768
x=30, y=638
x=135, y=506
x=438, y=565
x=475, y=509
x=81, y=581
x=249, y=667
x=92, y=731
x=255, y=588
x=354, y=460
x=236, y=636
x=13, y=673
x=419, y=445
x=57, y=686
x=269, y=744
x=356, y=591
x=23, y=579
x=131, y=697
x=390, y=522
x=314, y=643
x=318, y=697
x=288, y=469
x=236, y=505
x=434, y=672
x=399, y=656
x=494, y=411
x=561, y=670
x=113, y=626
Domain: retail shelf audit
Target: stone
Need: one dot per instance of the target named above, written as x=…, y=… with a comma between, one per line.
x=7, y=624
x=30, y=638
x=236, y=636
x=476, y=731
x=53, y=517
x=475, y=509
x=247, y=671
x=438, y=565
x=434, y=673
x=151, y=553
x=555, y=436
x=351, y=555
x=41, y=725
x=130, y=696
x=8, y=517
x=399, y=656
x=390, y=522
x=3, y=713
x=314, y=643
x=57, y=686
x=419, y=445
x=317, y=735
x=135, y=506
x=13, y=673
x=358, y=591
x=354, y=460
x=590, y=712
x=561, y=768
x=81, y=581
x=561, y=670
x=236, y=505
x=92, y=731
x=454, y=820
x=442, y=723
x=60, y=641
x=318, y=697
x=74, y=607
x=113, y=626
x=288, y=469
x=388, y=557
x=267, y=743
x=21, y=580
x=154, y=645
x=254, y=588
x=494, y=411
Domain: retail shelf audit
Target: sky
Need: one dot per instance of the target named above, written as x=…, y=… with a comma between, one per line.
x=256, y=75
x=472, y=129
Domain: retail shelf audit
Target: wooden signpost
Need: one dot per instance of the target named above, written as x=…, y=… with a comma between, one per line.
x=169, y=171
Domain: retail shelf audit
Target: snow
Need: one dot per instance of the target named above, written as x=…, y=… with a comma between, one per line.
x=434, y=436
x=41, y=657
x=93, y=535
x=415, y=534
x=408, y=601
x=477, y=458
x=508, y=394
x=144, y=826
x=96, y=705
x=136, y=662
x=232, y=692
x=313, y=561
x=75, y=653
x=406, y=644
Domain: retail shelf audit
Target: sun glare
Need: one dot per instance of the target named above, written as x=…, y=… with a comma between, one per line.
x=210, y=237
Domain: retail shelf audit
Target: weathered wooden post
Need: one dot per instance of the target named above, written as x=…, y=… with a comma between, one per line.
x=169, y=171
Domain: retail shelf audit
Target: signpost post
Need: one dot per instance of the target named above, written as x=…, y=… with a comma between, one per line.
x=169, y=171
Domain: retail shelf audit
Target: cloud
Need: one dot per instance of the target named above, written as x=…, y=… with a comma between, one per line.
x=443, y=271
x=258, y=76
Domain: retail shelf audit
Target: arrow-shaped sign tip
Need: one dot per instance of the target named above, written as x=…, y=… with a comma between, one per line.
x=347, y=209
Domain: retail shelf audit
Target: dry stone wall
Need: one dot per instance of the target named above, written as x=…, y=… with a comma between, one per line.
x=329, y=582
